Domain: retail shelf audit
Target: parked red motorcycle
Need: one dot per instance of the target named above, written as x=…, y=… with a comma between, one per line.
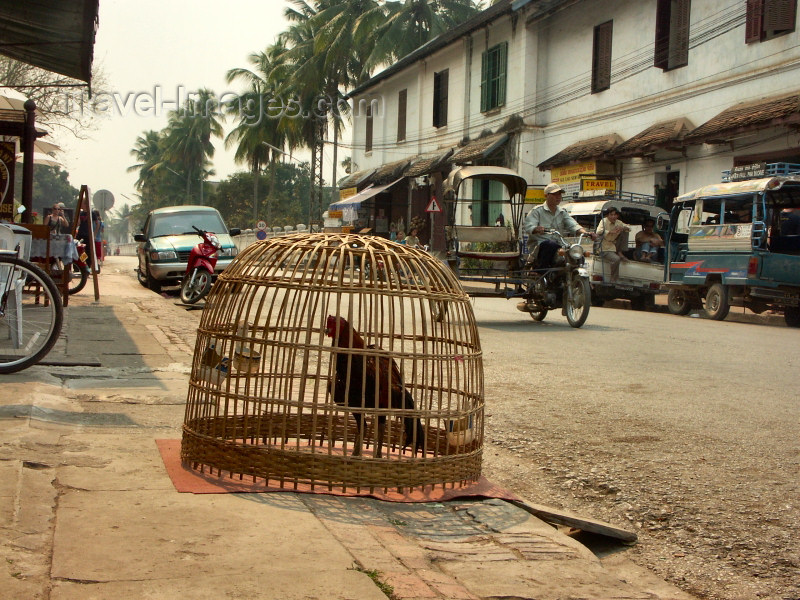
x=80, y=269
x=200, y=268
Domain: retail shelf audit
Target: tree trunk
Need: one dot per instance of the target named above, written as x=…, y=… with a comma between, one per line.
x=255, y=192
x=271, y=195
x=335, y=151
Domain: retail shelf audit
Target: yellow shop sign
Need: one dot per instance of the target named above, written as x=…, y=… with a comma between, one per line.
x=599, y=184
x=572, y=173
x=347, y=192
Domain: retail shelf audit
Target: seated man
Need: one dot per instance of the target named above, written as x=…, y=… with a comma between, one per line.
x=647, y=242
x=613, y=234
x=790, y=221
x=550, y=216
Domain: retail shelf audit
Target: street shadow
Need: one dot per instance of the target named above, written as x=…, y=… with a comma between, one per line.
x=454, y=519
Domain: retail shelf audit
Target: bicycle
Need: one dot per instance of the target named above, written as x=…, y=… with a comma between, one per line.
x=31, y=313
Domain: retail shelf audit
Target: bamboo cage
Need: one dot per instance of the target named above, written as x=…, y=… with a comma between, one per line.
x=277, y=394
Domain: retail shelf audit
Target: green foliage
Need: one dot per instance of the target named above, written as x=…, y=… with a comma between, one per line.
x=377, y=579
x=329, y=48
x=50, y=185
x=288, y=204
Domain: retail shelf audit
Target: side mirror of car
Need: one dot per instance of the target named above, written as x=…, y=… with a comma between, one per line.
x=139, y=237
x=235, y=231
x=662, y=221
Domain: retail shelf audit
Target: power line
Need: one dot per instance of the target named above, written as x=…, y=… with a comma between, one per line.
x=723, y=21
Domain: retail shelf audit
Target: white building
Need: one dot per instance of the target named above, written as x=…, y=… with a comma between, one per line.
x=645, y=96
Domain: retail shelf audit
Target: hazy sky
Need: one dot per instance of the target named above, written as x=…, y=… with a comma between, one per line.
x=149, y=49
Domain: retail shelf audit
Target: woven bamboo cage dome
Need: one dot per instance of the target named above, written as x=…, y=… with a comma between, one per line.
x=337, y=360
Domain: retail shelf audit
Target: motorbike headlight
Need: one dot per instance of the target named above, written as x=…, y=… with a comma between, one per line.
x=576, y=252
x=214, y=241
x=163, y=255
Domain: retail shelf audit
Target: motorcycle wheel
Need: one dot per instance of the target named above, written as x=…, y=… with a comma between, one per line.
x=80, y=274
x=192, y=291
x=538, y=315
x=578, y=307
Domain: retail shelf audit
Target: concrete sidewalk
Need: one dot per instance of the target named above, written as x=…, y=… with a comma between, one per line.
x=88, y=511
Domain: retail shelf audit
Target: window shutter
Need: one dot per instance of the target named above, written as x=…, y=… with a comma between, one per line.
x=502, y=68
x=443, y=83
x=401, y=115
x=485, y=81
x=780, y=15
x=436, y=100
x=753, y=27
x=601, y=67
x=679, y=53
x=368, y=134
x=662, y=34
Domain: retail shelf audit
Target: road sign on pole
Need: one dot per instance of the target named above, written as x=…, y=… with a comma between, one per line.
x=434, y=206
x=262, y=225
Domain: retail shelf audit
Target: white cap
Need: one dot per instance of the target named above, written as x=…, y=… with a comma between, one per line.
x=553, y=188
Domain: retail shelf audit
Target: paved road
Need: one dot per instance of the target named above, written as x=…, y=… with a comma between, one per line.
x=684, y=428
x=681, y=427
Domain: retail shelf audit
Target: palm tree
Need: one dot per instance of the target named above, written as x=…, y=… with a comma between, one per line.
x=260, y=130
x=409, y=24
x=119, y=223
x=325, y=56
x=147, y=151
x=187, y=145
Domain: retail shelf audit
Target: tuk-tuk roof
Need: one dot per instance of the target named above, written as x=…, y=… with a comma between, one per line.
x=750, y=186
x=513, y=181
x=597, y=206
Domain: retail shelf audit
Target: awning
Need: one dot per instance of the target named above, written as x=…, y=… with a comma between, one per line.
x=56, y=36
x=667, y=135
x=747, y=117
x=584, y=150
x=479, y=149
x=365, y=194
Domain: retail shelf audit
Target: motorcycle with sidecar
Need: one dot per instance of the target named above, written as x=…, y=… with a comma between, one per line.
x=495, y=261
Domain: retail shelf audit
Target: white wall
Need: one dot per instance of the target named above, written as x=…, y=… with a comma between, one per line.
x=549, y=81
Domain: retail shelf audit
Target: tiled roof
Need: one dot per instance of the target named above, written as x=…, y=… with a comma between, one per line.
x=584, y=150
x=424, y=164
x=660, y=135
x=354, y=179
x=389, y=171
x=748, y=116
x=480, y=148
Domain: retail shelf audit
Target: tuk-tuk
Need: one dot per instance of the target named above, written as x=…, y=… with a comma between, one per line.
x=478, y=250
x=736, y=244
x=638, y=281
x=486, y=250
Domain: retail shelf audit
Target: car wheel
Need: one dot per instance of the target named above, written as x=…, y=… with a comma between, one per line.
x=141, y=277
x=791, y=315
x=153, y=283
x=717, y=306
x=678, y=303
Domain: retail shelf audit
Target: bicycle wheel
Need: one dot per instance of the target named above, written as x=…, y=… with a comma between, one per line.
x=31, y=314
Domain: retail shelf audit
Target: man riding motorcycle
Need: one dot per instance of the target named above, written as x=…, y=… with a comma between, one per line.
x=550, y=216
